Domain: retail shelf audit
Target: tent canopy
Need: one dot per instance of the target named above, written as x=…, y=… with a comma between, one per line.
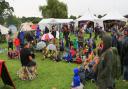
x=113, y=16
x=4, y=30
x=55, y=21
x=49, y=21
x=12, y=28
x=26, y=26
x=87, y=16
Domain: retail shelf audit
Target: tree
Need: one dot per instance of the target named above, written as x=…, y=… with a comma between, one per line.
x=72, y=17
x=34, y=20
x=54, y=9
x=5, y=10
x=13, y=20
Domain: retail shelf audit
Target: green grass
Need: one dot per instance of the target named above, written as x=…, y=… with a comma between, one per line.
x=51, y=74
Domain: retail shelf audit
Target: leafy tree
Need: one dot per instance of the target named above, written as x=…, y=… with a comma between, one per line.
x=13, y=20
x=34, y=20
x=5, y=10
x=72, y=17
x=54, y=9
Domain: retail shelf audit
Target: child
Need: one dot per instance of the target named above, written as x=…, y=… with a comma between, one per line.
x=78, y=59
x=17, y=44
x=73, y=51
x=76, y=84
x=67, y=56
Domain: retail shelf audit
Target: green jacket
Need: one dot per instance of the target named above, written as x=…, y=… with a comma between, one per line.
x=104, y=71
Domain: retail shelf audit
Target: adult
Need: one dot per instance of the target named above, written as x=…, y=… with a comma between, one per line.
x=97, y=30
x=66, y=34
x=10, y=41
x=54, y=34
x=124, y=55
x=46, y=30
x=90, y=29
x=80, y=38
x=28, y=70
x=105, y=79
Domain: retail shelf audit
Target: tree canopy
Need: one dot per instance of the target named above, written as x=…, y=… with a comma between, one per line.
x=5, y=10
x=54, y=9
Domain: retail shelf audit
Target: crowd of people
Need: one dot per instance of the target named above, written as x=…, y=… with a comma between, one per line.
x=100, y=62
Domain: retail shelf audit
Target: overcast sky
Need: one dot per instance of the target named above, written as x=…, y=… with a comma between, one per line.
x=30, y=8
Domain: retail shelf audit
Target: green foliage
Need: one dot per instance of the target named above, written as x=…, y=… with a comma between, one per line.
x=13, y=20
x=54, y=9
x=72, y=17
x=5, y=10
x=34, y=20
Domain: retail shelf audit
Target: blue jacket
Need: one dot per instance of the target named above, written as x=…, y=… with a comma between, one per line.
x=76, y=78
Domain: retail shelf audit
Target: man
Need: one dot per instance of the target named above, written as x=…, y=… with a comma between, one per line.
x=97, y=29
x=124, y=55
x=80, y=38
x=28, y=70
x=25, y=55
x=54, y=33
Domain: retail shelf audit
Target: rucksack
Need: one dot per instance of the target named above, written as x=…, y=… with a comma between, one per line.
x=116, y=63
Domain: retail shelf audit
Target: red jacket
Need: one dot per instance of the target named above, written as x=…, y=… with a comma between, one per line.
x=16, y=42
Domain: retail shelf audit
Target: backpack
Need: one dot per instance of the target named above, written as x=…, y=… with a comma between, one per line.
x=116, y=63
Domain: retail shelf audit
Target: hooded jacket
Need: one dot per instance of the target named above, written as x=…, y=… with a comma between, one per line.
x=76, y=78
x=104, y=70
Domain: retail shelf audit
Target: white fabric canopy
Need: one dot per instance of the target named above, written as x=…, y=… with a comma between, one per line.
x=26, y=26
x=61, y=21
x=49, y=21
x=3, y=30
x=114, y=16
x=12, y=28
x=87, y=16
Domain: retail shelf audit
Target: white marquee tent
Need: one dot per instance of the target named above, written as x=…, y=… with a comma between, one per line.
x=12, y=28
x=49, y=21
x=26, y=26
x=87, y=16
x=114, y=16
x=3, y=30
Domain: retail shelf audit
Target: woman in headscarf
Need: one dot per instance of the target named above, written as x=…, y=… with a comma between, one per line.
x=105, y=78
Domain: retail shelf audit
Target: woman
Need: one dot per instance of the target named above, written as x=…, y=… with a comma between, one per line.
x=105, y=78
x=66, y=34
x=80, y=38
x=28, y=70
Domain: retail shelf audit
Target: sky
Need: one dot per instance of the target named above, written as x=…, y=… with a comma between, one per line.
x=30, y=8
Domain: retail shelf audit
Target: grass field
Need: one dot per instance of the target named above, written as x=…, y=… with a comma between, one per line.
x=51, y=75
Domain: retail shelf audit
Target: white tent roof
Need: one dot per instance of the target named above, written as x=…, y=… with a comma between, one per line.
x=12, y=28
x=3, y=30
x=114, y=16
x=64, y=20
x=55, y=21
x=26, y=26
x=87, y=16
x=47, y=22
